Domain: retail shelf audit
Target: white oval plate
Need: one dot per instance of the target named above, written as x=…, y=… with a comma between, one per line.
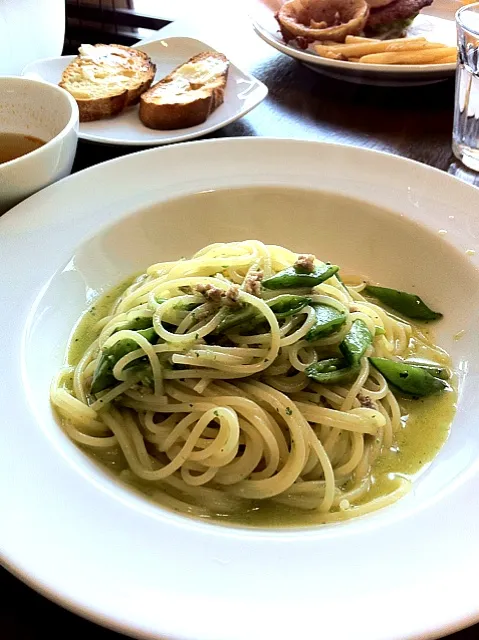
x=436, y=23
x=243, y=93
x=408, y=571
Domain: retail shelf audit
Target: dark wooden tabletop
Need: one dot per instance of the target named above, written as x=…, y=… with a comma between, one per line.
x=413, y=122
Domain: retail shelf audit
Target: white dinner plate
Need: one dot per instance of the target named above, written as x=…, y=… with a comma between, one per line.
x=436, y=23
x=78, y=536
x=243, y=93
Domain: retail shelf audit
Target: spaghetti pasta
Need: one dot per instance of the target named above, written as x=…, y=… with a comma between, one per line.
x=218, y=384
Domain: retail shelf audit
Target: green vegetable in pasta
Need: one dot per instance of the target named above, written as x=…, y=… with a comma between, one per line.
x=408, y=304
x=136, y=324
x=103, y=376
x=409, y=378
x=235, y=317
x=356, y=342
x=328, y=320
x=287, y=305
x=282, y=306
x=298, y=278
x=332, y=371
x=305, y=367
x=434, y=369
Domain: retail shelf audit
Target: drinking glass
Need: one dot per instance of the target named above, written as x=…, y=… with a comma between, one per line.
x=465, y=139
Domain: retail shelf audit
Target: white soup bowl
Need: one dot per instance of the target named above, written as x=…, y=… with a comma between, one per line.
x=45, y=111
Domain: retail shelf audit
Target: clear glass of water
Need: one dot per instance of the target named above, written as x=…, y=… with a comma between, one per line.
x=465, y=139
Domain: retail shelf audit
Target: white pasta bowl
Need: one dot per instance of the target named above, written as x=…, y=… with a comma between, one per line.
x=83, y=539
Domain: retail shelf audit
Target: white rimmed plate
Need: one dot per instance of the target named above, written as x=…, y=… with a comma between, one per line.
x=243, y=93
x=408, y=571
x=436, y=23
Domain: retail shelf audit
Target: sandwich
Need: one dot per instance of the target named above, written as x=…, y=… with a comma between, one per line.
x=390, y=18
x=308, y=21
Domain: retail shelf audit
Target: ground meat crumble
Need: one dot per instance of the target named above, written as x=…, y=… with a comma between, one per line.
x=210, y=292
x=231, y=297
x=252, y=283
x=228, y=298
x=306, y=262
x=365, y=401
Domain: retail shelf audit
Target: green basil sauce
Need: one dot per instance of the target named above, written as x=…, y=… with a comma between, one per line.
x=425, y=428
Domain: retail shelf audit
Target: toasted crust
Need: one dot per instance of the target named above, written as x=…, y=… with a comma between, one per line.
x=188, y=95
x=104, y=79
x=91, y=109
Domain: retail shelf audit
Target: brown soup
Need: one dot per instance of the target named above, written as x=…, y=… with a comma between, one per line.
x=14, y=145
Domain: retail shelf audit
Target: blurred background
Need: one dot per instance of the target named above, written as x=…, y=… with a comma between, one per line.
x=127, y=20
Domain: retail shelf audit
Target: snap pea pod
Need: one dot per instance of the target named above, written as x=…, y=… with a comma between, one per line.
x=233, y=318
x=136, y=324
x=338, y=276
x=328, y=320
x=189, y=306
x=282, y=306
x=408, y=378
x=287, y=305
x=409, y=304
x=298, y=278
x=332, y=371
x=356, y=342
x=434, y=369
x=103, y=376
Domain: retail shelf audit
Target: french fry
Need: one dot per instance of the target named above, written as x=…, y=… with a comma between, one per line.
x=359, y=40
x=452, y=58
x=440, y=45
x=367, y=48
x=331, y=44
x=425, y=56
x=332, y=55
x=395, y=51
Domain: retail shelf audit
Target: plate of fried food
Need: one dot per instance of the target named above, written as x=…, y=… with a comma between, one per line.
x=153, y=93
x=383, y=42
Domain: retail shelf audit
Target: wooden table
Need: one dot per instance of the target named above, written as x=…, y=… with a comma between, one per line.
x=412, y=122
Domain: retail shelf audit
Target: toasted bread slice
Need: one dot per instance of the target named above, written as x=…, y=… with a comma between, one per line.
x=106, y=78
x=188, y=95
